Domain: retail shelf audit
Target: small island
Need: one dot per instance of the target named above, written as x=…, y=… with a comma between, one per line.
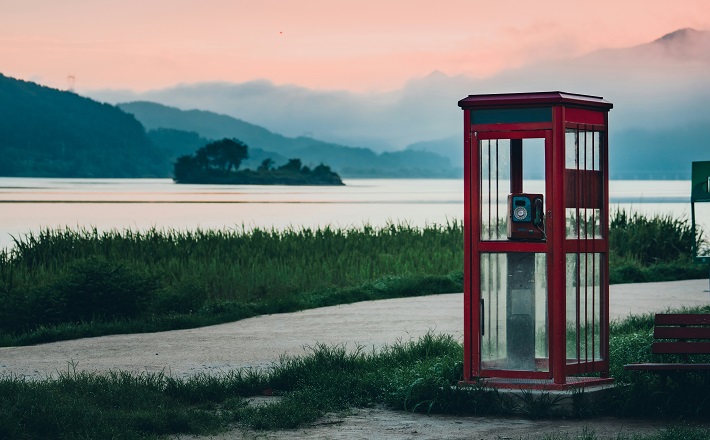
x=218, y=163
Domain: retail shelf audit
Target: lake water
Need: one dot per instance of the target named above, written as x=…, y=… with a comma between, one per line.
x=30, y=204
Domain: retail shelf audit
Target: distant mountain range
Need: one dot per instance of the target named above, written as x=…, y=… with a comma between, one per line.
x=49, y=133
x=46, y=132
x=659, y=124
x=346, y=161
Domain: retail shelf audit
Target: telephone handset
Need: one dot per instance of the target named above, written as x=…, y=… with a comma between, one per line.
x=526, y=217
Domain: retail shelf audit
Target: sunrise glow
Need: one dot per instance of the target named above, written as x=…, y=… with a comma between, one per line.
x=357, y=46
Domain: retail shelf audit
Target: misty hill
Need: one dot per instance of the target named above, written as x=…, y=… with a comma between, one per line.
x=659, y=89
x=658, y=125
x=345, y=160
x=661, y=153
x=682, y=45
x=450, y=147
x=46, y=132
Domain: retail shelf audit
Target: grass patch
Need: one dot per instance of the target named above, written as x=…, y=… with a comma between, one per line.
x=416, y=376
x=116, y=405
x=63, y=284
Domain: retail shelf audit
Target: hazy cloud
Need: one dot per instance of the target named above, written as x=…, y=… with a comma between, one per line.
x=663, y=83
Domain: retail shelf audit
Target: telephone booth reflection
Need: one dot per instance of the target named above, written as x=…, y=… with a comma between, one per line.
x=536, y=198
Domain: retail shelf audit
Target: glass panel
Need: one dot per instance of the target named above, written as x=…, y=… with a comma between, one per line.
x=584, y=184
x=571, y=149
x=584, y=297
x=495, y=185
x=582, y=149
x=534, y=165
x=514, y=311
x=583, y=224
x=495, y=158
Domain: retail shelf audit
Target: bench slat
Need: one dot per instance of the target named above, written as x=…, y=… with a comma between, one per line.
x=681, y=347
x=681, y=326
x=666, y=367
x=681, y=332
x=682, y=319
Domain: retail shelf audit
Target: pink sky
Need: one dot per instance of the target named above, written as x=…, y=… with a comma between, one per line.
x=361, y=45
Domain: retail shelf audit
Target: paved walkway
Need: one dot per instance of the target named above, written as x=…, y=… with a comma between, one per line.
x=262, y=340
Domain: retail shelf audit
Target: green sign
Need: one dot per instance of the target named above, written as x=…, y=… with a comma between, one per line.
x=700, y=192
x=701, y=182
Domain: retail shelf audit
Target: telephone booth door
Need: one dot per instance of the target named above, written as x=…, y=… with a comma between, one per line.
x=513, y=254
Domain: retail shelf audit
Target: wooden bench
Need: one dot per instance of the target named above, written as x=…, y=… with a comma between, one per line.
x=690, y=334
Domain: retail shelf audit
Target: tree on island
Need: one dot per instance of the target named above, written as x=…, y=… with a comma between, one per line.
x=225, y=154
x=218, y=163
x=216, y=157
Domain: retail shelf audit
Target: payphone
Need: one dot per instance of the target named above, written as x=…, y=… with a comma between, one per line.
x=525, y=217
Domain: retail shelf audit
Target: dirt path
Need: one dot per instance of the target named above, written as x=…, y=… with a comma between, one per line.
x=395, y=425
x=260, y=341
x=256, y=341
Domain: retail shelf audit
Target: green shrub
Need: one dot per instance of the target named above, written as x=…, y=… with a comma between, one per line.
x=184, y=296
x=89, y=289
x=655, y=248
x=96, y=287
x=649, y=240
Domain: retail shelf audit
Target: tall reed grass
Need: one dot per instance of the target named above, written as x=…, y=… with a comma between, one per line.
x=233, y=264
x=67, y=283
x=173, y=279
x=656, y=248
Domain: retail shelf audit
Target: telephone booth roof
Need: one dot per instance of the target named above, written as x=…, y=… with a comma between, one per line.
x=535, y=99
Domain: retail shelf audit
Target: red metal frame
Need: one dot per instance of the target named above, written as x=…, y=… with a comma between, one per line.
x=567, y=111
x=471, y=342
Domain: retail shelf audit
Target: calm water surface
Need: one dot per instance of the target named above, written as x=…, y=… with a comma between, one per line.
x=30, y=204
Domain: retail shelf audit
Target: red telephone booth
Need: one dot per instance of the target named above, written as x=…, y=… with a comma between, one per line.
x=536, y=294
